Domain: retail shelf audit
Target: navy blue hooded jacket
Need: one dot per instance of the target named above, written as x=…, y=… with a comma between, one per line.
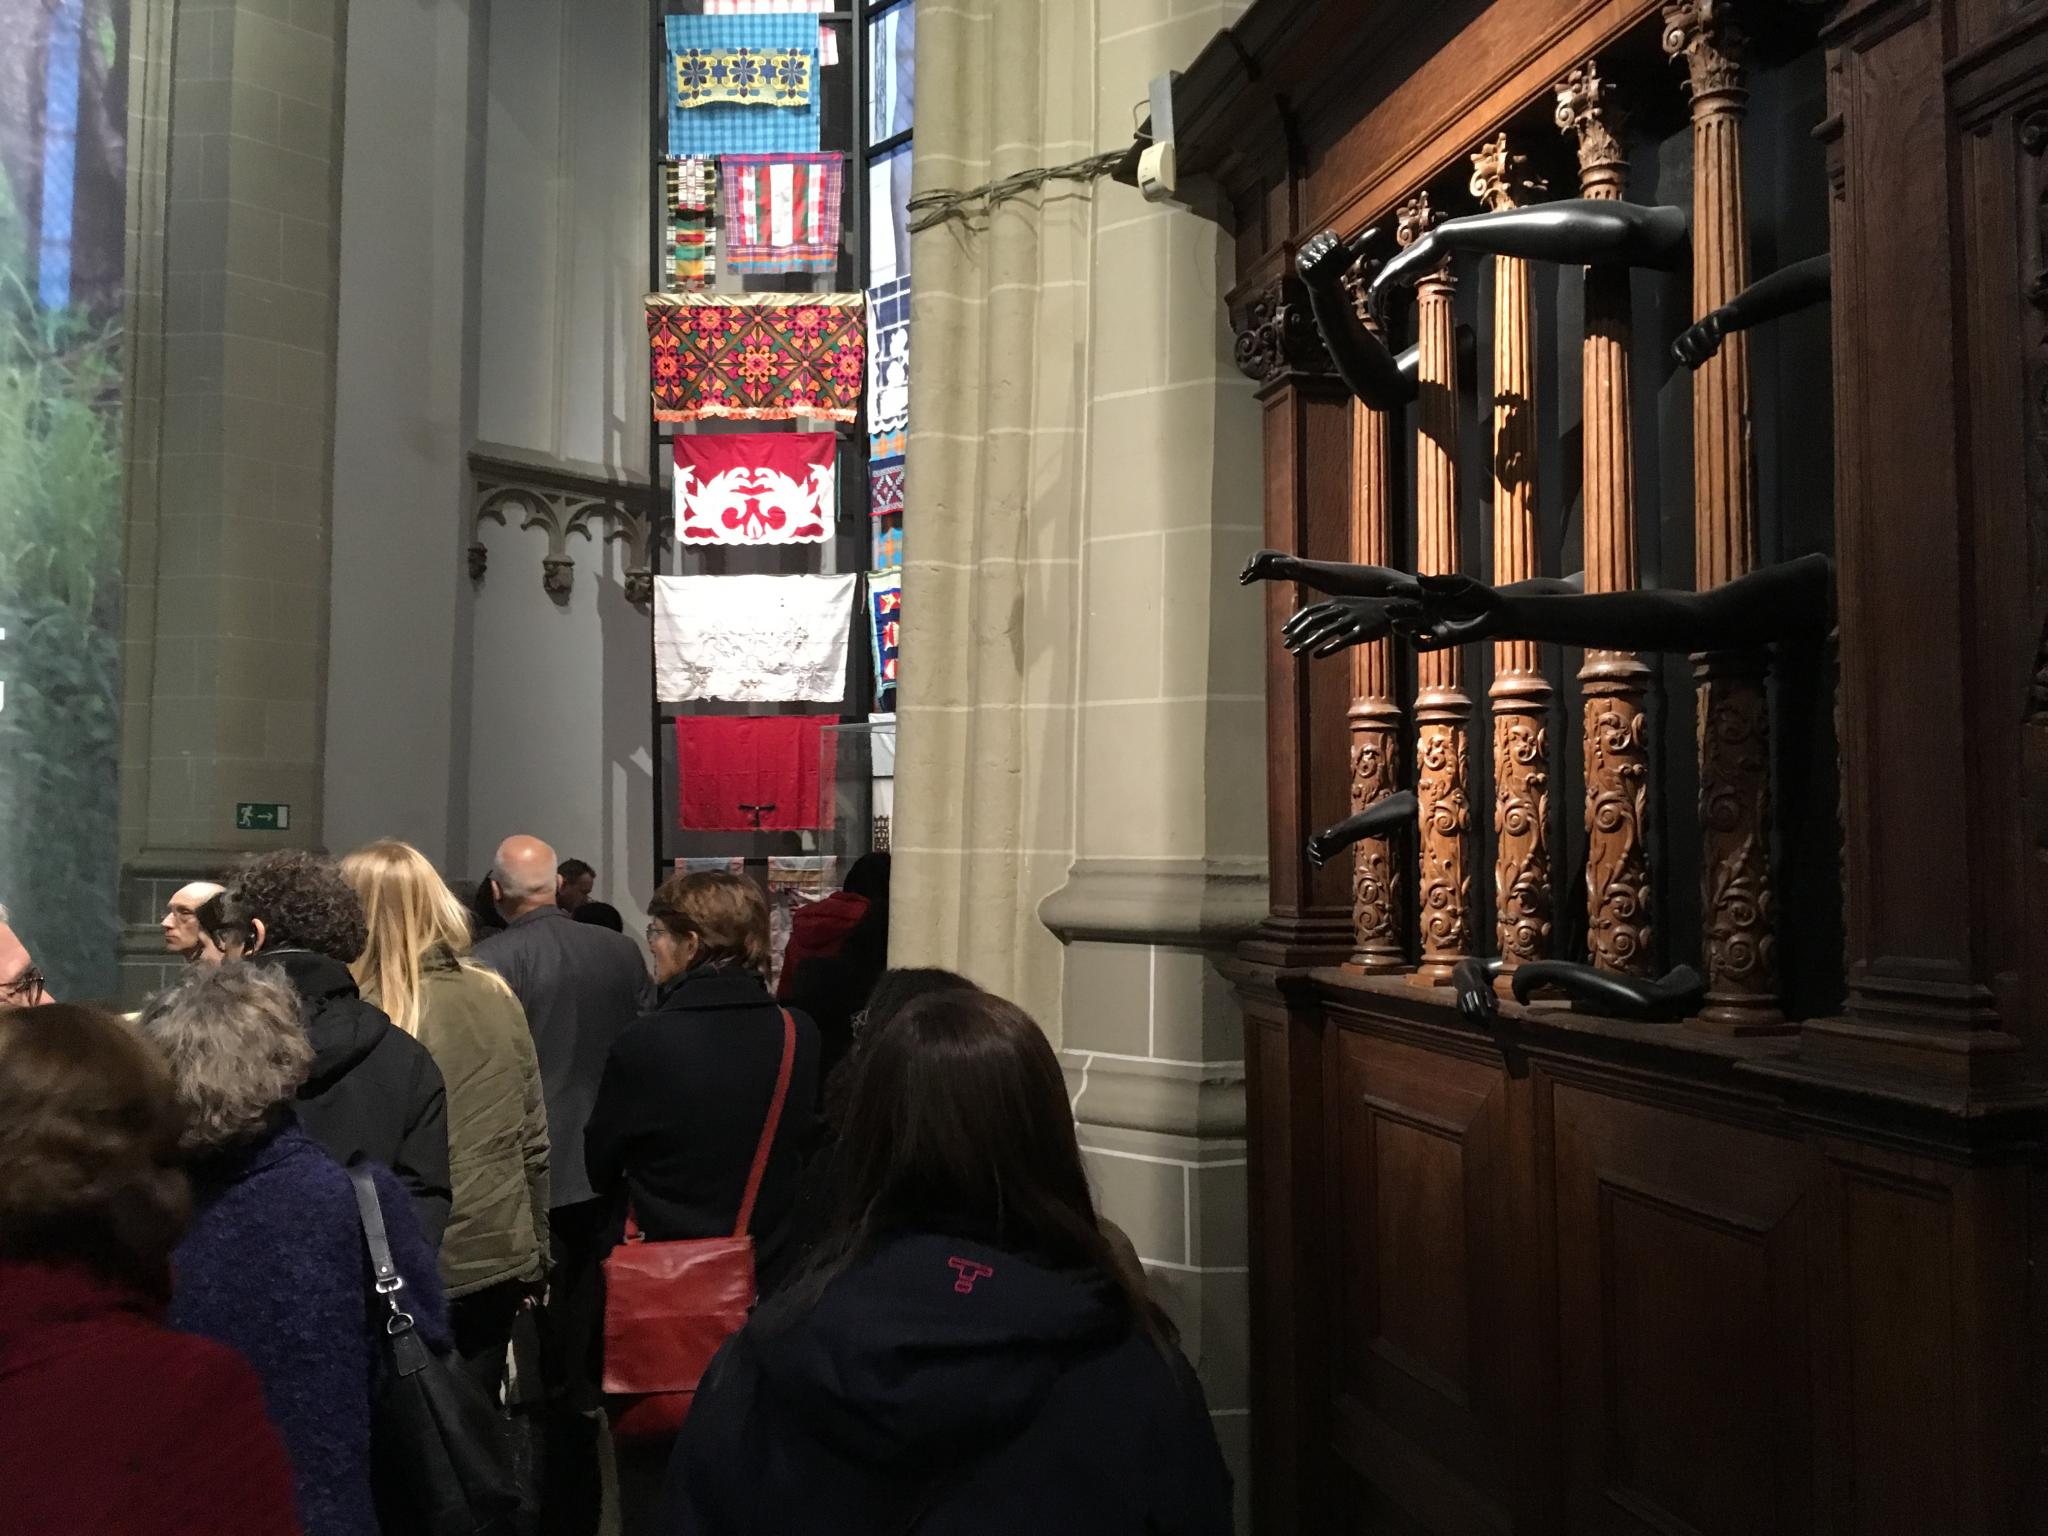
x=943, y=1386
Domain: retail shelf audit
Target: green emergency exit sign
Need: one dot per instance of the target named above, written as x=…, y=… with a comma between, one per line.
x=258, y=816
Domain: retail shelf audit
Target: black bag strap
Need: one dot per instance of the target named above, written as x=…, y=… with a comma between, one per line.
x=398, y=1327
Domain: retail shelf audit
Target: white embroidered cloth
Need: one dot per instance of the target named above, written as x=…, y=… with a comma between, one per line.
x=754, y=639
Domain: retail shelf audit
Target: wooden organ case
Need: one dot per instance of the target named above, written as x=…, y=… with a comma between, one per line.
x=1771, y=1268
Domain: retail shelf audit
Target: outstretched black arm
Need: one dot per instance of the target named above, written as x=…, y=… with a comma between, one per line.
x=1387, y=814
x=1789, y=289
x=1582, y=230
x=1780, y=602
x=1325, y=628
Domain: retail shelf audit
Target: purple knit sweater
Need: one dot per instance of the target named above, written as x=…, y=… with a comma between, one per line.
x=275, y=1267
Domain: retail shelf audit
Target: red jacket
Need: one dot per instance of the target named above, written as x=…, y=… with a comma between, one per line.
x=817, y=931
x=114, y=1424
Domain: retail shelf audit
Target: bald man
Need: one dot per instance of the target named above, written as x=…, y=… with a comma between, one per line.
x=182, y=934
x=21, y=984
x=581, y=985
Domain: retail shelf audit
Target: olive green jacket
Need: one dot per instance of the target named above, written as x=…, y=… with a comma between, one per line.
x=497, y=1128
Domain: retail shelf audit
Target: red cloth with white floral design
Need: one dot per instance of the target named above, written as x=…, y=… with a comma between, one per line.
x=756, y=356
x=754, y=487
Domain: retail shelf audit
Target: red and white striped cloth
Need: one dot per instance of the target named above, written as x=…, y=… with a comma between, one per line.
x=781, y=211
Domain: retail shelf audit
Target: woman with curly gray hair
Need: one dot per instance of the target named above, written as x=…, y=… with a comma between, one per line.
x=371, y=1090
x=274, y=1264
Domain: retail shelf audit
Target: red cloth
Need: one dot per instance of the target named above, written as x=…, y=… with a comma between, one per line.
x=114, y=1424
x=754, y=487
x=819, y=930
x=730, y=761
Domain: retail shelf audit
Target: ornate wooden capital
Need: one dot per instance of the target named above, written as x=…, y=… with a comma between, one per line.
x=1500, y=177
x=1588, y=110
x=1356, y=282
x=1703, y=33
x=1277, y=337
x=1413, y=218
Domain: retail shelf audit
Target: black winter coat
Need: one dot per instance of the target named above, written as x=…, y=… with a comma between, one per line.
x=680, y=1109
x=374, y=1091
x=947, y=1387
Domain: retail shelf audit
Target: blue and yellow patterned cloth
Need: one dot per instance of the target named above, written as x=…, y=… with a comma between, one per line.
x=714, y=60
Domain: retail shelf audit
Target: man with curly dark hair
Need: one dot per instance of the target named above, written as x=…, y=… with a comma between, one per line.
x=374, y=1091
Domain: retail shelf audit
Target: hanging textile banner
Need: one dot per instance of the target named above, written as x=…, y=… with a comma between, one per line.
x=764, y=7
x=689, y=192
x=888, y=368
x=754, y=487
x=751, y=773
x=888, y=543
x=714, y=58
x=781, y=211
x=755, y=356
x=755, y=639
x=885, y=604
x=885, y=486
x=733, y=866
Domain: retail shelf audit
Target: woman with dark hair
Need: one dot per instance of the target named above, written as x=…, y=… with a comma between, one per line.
x=115, y=1424
x=274, y=1264
x=373, y=1091
x=967, y=1352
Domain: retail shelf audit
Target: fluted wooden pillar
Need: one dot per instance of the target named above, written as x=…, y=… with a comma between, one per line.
x=1374, y=716
x=1737, y=904
x=1612, y=683
x=1443, y=711
x=1520, y=695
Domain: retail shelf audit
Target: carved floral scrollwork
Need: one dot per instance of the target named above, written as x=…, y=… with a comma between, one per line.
x=1734, y=757
x=1618, y=899
x=560, y=502
x=1375, y=887
x=1276, y=337
x=1446, y=821
x=1704, y=35
x=1521, y=817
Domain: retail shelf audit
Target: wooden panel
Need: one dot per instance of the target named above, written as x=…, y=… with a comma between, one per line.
x=1421, y=1194
x=1683, y=1320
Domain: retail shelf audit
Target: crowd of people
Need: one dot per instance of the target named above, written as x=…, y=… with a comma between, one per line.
x=947, y=1335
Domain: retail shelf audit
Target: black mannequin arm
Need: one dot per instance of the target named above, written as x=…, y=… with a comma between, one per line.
x=1779, y=602
x=1585, y=231
x=1369, y=370
x=1330, y=575
x=1383, y=815
x=1675, y=995
x=1324, y=629
x=1797, y=287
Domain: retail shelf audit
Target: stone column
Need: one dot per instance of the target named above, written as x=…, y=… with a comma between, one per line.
x=225, y=634
x=1374, y=716
x=1443, y=710
x=1734, y=752
x=1613, y=683
x=1168, y=868
x=1520, y=695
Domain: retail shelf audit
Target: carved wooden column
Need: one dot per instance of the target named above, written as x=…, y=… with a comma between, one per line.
x=1612, y=683
x=1520, y=695
x=1734, y=753
x=1443, y=712
x=1375, y=716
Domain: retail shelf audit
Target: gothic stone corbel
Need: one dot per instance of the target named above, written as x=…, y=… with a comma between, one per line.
x=559, y=502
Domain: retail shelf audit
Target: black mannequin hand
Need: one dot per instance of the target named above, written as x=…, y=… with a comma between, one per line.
x=1328, y=256
x=1675, y=995
x=1325, y=628
x=1266, y=565
x=1387, y=814
x=1472, y=979
x=1702, y=339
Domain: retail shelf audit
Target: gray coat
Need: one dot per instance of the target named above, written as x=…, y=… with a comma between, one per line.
x=580, y=985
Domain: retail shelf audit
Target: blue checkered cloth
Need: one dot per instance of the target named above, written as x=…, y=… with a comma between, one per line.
x=739, y=127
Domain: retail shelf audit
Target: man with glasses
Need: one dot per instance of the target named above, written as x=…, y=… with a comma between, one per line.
x=180, y=923
x=21, y=984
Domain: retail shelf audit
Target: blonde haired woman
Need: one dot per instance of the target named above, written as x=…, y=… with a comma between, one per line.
x=415, y=967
